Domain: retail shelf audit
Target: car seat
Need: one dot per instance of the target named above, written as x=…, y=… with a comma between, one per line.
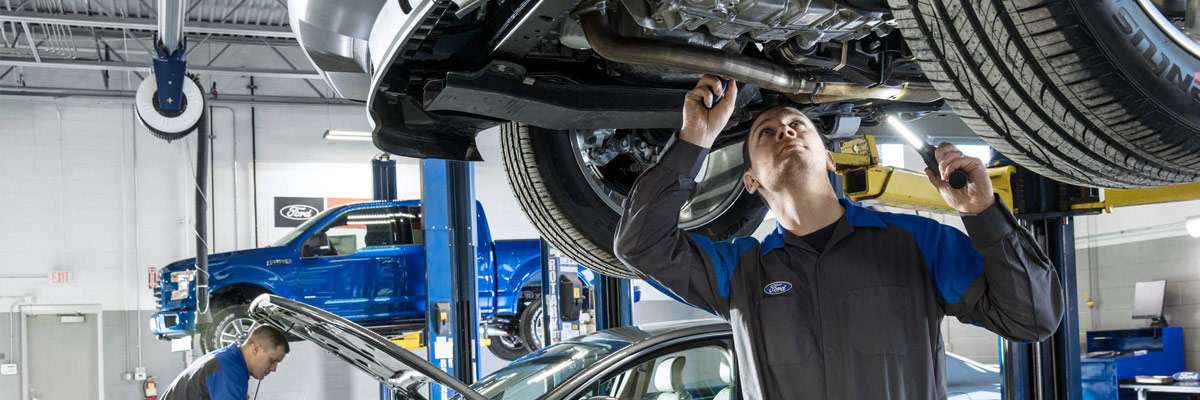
x=668, y=380
x=726, y=371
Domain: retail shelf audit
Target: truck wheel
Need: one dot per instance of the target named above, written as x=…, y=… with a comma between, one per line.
x=532, y=326
x=1097, y=92
x=571, y=185
x=230, y=325
x=508, y=347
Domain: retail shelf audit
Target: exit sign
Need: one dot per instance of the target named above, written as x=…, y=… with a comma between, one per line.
x=60, y=278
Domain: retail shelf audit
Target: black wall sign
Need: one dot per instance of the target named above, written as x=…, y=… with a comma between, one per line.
x=290, y=212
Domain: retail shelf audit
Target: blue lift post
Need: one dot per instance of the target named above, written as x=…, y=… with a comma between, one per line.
x=549, y=269
x=448, y=204
x=613, y=297
x=614, y=305
x=383, y=172
x=1048, y=369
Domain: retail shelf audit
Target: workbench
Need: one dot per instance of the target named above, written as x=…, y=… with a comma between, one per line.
x=1143, y=391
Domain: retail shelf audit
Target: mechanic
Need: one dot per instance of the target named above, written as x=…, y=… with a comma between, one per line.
x=839, y=302
x=225, y=374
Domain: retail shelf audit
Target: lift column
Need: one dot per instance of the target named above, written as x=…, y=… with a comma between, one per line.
x=448, y=204
x=614, y=305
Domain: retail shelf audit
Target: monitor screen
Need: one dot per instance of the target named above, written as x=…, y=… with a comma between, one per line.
x=1148, y=299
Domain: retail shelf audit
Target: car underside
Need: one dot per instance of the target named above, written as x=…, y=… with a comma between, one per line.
x=625, y=65
x=587, y=93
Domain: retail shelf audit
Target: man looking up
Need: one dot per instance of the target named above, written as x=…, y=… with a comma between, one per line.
x=839, y=302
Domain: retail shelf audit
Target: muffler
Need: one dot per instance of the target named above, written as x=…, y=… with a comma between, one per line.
x=761, y=73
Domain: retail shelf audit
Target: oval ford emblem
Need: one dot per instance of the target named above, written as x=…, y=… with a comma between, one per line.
x=298, y=212
x=777, y=287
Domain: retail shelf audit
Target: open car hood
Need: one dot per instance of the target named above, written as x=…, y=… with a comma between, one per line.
x=387, y=362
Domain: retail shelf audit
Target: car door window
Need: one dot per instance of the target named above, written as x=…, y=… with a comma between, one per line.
x=359, y=229
x=409, y=228
x=698, y=373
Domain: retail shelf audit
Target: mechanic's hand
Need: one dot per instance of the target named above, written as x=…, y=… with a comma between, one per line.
x=701, y=124
x=977, y=195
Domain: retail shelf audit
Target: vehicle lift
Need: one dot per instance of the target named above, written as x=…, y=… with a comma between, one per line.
x=1043, y=370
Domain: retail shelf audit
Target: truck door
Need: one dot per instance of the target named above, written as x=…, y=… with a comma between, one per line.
x=408, y=277
x=342, y=267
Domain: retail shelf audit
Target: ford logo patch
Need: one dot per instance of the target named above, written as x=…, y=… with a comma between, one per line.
x=777, y=287
x=298, y=212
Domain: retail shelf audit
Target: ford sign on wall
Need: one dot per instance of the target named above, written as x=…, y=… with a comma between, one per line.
x=290, y=212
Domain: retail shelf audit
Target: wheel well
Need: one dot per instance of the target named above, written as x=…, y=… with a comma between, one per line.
x=529, y=293
x=237, y=293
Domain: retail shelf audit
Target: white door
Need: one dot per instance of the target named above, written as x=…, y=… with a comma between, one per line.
x=63, y=356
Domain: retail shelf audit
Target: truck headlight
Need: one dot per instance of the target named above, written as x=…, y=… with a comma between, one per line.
x=181, y=293
x=183, y=276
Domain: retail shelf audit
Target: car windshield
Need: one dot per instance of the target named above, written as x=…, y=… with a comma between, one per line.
x=303, y=227
x=531, y=377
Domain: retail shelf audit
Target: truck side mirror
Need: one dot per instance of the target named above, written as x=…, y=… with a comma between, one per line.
x=316, y=245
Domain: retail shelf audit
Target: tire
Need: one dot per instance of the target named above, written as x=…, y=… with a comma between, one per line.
x=1059, y=86
x=529, y=328
x=549, y=184
x=234, y=321
x=508, y=349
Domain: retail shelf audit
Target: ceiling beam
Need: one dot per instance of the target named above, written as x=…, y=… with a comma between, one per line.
x=142, y=67
x=148, y=24
x=128, y=95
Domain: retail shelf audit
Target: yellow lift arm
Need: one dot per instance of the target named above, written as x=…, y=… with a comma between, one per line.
x=411, y=341
x=864, y=179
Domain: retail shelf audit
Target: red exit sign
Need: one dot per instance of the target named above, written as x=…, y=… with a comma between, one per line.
x=60, y=278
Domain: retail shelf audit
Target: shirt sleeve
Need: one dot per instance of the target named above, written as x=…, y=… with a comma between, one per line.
x=649, y=241
x=1018, y=295
x=224, y=385
x=997, y=278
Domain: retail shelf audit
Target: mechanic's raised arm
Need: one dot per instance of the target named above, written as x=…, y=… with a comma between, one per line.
x=999, y=278
x=648, y=238
x=1019, y=296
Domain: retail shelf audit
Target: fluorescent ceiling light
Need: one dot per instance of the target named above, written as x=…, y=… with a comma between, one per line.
x=348, y=135
x=908, y=134
x=1193, y=226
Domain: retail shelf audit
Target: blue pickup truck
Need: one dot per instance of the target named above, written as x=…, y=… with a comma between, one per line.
x=364, y=262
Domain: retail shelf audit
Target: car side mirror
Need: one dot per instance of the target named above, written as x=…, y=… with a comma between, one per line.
x=316, y=245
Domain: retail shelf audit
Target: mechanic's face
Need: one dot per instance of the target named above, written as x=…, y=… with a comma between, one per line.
x=262, y=361
x=784, y=148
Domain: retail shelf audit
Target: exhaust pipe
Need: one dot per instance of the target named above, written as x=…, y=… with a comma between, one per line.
x=761, y=73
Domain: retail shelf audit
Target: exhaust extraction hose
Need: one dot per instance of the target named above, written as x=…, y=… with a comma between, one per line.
x=202, y=155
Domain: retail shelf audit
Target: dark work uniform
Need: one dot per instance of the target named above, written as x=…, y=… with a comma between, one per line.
x=220, y=375
x=856, y=318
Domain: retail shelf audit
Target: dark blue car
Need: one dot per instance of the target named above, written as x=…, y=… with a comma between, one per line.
x=364, y=262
